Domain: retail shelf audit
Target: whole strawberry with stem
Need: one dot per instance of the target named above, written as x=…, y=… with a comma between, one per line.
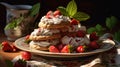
x=53, y=49
x=81, y=48
x=67, y=49
x=6, y=47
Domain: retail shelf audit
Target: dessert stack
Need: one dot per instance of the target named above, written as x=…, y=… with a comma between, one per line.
x=56, y=29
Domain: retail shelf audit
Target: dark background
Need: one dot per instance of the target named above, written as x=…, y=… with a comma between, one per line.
x=97, y=9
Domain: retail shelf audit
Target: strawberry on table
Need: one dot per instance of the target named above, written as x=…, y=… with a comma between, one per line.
x=26, y=55
x=6, y=47
x=54, y=49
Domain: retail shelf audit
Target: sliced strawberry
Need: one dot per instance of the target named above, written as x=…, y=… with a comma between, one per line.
x=26, y=55
x=20, y=63
x=93, y=36
x=67, y=49
x=56, y=13
x=74, y=22
x=81, y=33
x=94, y=45
x=54, y=49
x=49, y=14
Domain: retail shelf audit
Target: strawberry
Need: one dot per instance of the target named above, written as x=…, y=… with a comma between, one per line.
x=26, y=55
x=60, y=46
x=56, y=13
x=6, y=47
x=93, y=36
x=67, y=49
x=49, y=14
x=54, y=49
x=27, y=39
x=74, y=22
x=81, y=33
x=5, y=43
x=94, y=45
x=81, y=48
x=20, y=63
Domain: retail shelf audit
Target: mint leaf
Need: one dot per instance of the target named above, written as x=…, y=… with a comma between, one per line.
x=98, y=29
x=111, y=22
x=63, y=10
x=35, y=9
x=71, y=8
x=9, y=63
x=81, y=16
x=117, y=36
x=91, y=29
x=14, y=23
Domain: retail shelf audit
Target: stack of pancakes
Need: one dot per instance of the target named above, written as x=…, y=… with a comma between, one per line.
x=50, y=30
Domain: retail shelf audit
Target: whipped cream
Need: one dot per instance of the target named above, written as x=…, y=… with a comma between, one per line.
x=45, y=43
x=55, y=20
x=75, y=41
x=43, y=31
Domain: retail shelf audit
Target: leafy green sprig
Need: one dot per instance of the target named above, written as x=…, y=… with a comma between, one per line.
x=16, y=21
x=71, y=11
x=110, y=24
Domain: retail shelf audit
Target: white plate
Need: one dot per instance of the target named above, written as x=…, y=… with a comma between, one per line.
x=19, y=43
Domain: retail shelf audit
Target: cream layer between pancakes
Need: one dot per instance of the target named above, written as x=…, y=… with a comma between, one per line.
x=54, y=20
x=45, y=43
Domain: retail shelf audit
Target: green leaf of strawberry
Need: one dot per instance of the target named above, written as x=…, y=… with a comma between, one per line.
x=117, y=36
x=63, y=10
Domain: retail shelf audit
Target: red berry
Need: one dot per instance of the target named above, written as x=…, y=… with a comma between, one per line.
x=93, y=36
x=49, y=14
x=27, y=37
x=81, y=33
x=53, y=49
x=26, y=55
x=66, y=49
x=94, y=45
x=57, y=13
x=60, y=46
x=74, y=22
x=80, y=49
x=6, y=47
x=5, y=43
